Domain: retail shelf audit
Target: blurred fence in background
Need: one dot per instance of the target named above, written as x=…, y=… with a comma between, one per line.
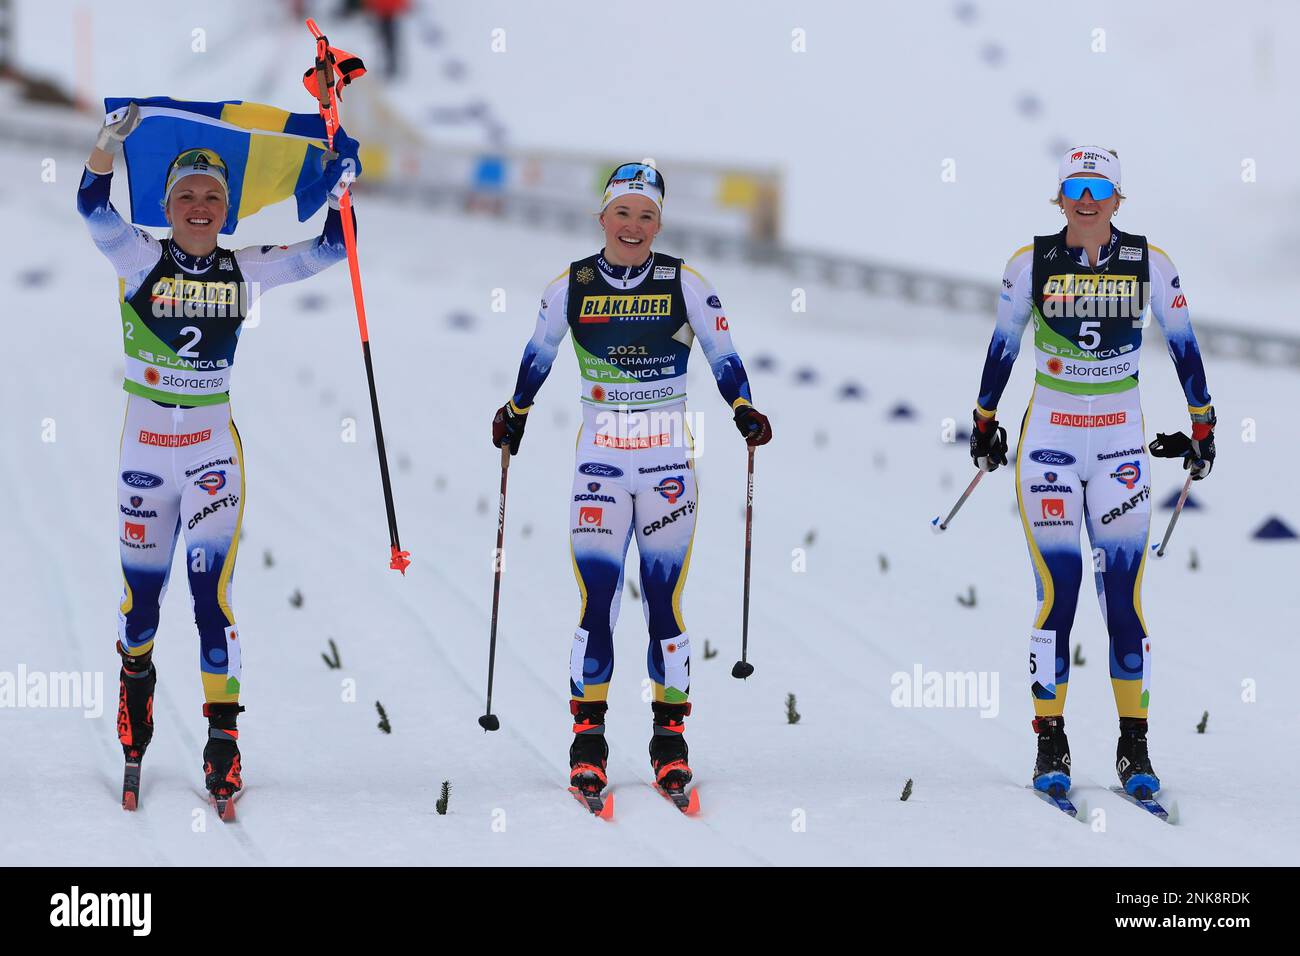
x=720, y=212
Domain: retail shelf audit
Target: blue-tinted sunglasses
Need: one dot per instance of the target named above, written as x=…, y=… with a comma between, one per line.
x=1100, y=189
x=647, y=174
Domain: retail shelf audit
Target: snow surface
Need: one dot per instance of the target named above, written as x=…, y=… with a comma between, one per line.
x=326, y=787
x=842, y=480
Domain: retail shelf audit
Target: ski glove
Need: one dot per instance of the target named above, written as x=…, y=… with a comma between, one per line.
x=1196, y=452
x=508, y=427
x=342, y=167
x=753, y=425
x=118, y=125
x=988, y=443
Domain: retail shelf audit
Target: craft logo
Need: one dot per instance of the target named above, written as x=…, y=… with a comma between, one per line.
x=1088, y=421
x=1128, y=474
x=590, y=517
x=211, y=482
x=1053, y=507
x=134, y=532
x=174, y=441
x=603, y=308
x=228, y=501
x=671, y=488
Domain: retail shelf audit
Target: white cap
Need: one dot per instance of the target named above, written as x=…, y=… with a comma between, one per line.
x=639, y=184
x=1089, y=159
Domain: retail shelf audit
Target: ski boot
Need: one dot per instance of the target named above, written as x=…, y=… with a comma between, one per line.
x=1131, y=760
x=668, y=753
x=136, y=682
x=588, y=755
x=1052, y=769
x=221, y=758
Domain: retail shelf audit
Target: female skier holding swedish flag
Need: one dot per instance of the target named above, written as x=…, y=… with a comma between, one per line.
x=183, y=300
x=1082, y=454
x=634, y=314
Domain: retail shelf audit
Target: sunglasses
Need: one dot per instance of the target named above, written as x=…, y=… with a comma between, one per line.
x=1100, y=189
x=633, y=171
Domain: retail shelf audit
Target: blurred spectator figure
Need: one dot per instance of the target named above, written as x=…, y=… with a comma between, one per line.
x=386, y=13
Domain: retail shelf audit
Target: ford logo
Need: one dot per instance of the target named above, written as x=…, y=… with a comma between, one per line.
x=140, y=479
x=600, y=470
x=1048, y=456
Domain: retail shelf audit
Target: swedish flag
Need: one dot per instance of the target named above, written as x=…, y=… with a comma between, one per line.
x=269, y=154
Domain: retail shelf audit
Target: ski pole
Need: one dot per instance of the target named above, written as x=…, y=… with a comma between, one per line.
x=939, y=527
x=743, y=668
x=1178, y=509
x=489, y=720
x=328, y=93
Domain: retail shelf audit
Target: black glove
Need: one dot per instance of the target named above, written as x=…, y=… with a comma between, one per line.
x=753, y=425
x=508, y=427
x=988, y=443
x=1197, y=453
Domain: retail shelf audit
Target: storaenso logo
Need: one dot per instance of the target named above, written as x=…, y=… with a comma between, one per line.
x=168, y=380
x=1095, y=371
x=74, y=908
x=600, y=470
x=615, y=394
x=140, y=479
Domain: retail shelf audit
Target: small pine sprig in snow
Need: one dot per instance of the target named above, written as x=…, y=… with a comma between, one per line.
x=332, y=660
x=791, y=714
x=441, y=805
x=1205, y=719
x=384, y=725
x=907, y=789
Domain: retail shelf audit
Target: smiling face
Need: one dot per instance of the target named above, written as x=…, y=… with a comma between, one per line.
x=631, y=223
x=1086, y=213
x=196, y=210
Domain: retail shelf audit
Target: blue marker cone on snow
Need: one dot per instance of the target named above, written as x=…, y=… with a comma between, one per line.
x=1171, y=502
x=1274, y=529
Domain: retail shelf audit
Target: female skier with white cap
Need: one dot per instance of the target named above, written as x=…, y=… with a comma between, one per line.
x=183, y=301
x=634, y=314
x=1082, y=454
